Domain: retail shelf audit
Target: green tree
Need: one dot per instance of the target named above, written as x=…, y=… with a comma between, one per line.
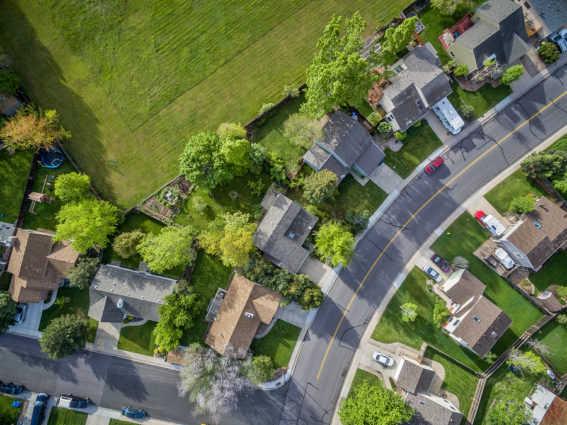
x=266, y=107
x=334, y=243
x=508, y=411
x=384, y=127
x=562, y=291
x=230, y=130
x=172, y=247
x=7, y=310
x=319, y=186
x=512, y=74
x=549, y=52
x=311, y=298
x=176, y=316
x=87, y=223
x=374, y=404
x=125, y=243
x=9, y=83
x=237, y=155
x=64, y=335
x=202, y=161
x=522, y=204
x=440, y=312
x=400, y=135
x=397, y=39
x=277, y=168
x=561, y=184
x=461, y=70
x=562, y=319
x=527, y=361
x=409, y=312
x=33, y=129
x=81, y=275
x=257, y=153
x=302, y=130
x=467, y=111
x=545, y=164
x=261, y=369
x=290, y=91
x=446, y=7
x=338, y=74
x=72, y=187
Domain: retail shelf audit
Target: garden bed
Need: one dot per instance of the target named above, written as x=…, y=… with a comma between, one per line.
x=278, y=344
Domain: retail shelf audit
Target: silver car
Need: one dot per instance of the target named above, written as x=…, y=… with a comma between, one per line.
x=504, y=258
x=383, y=359
x=430, y=271
x=20, y=314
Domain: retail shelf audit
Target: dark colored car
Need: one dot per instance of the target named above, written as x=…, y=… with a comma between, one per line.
x=39, y=409
x=130, y=412
x=441, y=263
x=10, y=388
x=431, y=168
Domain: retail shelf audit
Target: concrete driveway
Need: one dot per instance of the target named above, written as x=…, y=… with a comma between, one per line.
x=32, y=320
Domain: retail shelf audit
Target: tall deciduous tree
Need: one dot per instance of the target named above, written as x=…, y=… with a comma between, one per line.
x=333, y=243
x=261, y=369
x=546, y=164
x=527, y=361
x=409, y=312
x=125, y=243
x=176, y=315
x=33, y=129
x=338, y=74
x=87, y=224
x=7, y=310
x=81, y=275
x=446, y=7
x=232, y=130
x=64, y=335
x=374, y=404
x=522, y=204
x=170, y=248
x=72, y=187
x=237, y=154
x=508, y=411
x=319, y=186
x=302, y=130
x=397, y=39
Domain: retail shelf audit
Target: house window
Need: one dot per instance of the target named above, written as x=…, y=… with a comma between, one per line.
x=399, y=69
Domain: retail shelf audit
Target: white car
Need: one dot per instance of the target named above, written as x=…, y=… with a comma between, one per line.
x=490, y=223
x=504, y=258
x=383, y=359
x=560, y=41
x=430, y=271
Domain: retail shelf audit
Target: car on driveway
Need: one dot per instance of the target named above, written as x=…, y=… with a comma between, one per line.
x=71, y=401
x=441, y=263
x=130, y=412
x=20, y=316
x=504, y=258
x=383, y=359
x=490, y=223
x=39, y=409
x=559, y=41
x=437, y=162
x=430, y=271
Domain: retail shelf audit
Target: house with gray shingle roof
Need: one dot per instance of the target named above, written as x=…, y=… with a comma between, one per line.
x=283, y=230
x=116, y=292
x=346, y=146
x=417, y=85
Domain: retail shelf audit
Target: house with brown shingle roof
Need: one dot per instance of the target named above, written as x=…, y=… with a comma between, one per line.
x=38, y=266
x=475, y=321
x=546, y=408
x=245, y=305
x=537, y=235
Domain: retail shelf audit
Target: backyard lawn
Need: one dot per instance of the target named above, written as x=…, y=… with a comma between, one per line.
x=458, y=380
x=14, y=171
x=132, y=106
x=435, y=23
x=362, y=376
x=462, y=238
x=138, y=339
x=512, y=187
x=278, y=343
x=43, y=216
x=419, y=144
x=61, y=416
x=552, y=273
x=481, y=100
x=8, y=414
x=69, y=301
x=554, y=336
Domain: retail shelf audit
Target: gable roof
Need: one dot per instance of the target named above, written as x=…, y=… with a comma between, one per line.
x=433, y=410
x=139, y=294
x=414, y=377
x=462, y=285
x=244, y=307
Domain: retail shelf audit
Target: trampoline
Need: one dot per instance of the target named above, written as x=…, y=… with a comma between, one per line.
x=52, y=158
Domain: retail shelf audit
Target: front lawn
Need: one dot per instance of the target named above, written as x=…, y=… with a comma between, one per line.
x=512, y=187
x=14, y=171
x=278, y=343
x=554, y=336
x=458, y=380
x=552, y=272
x=419, y=144
x=462, y=238
x=138, y=339
x=5, y=279
x=481, y=100
x=8, y=413
x=69, y=301
x=391, y=328
x=61, y=416
x=118, y=422
x=362, y=376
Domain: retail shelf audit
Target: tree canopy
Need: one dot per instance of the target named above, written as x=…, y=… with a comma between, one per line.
x=72, y=187
x=409, y=312
x=170, y=248
x=522, y=204
x=527, y=361
x=512, y=74
x=302, y=130
x=81, y=275
x=64, y=335
x=508, y=411
x=261, y=369
x=7, y=310
x=338, y=74
x=397, y=39
x=334, y=243
x=176, y=315
x=237, y=154
x=87, y=223
x=125, y=244
x=545, y=164
x=549, y=52
x=446, y=7
x=319, y=186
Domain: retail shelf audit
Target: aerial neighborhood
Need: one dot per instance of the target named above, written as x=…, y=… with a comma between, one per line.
x=234, y=212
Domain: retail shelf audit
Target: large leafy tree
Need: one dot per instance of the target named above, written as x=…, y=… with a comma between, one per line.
x=508, y=411
x=338, y=74
x=237, y=154
x=87, y=223
x=522, y=204
x=170, y=248
x=374, y=404
x=33, y=129
x=261, y=369
x=81, y=275
x=396, y=39
x=302, y=130
x=64, y=335
x=72, y=187
x=125, y=243
x=446, y=7
x=549, y=52
x=333, y=243
x=7, y=311
x=176, y=316
x=319, y=186
x=527, y=361
x=546, y=164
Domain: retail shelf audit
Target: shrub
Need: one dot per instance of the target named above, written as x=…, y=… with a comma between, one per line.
x=400, y=135
x=374, y=118
x=265, y=108
x=291, y=91
x=562, y=319
x=277, y=168
x=7, y=310
x=125, y=243
x=522, y=204
x=357, y=220
x=384, y=127
x=461, y=70
x=468, y=112
x=512, y=74
x=549, y=52
x=562, y=291
x=409, y=312
x=417, y=124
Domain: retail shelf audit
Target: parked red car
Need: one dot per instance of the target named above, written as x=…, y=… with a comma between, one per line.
x=431, y=168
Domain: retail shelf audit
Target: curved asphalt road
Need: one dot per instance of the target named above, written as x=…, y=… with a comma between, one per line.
x=310, y=396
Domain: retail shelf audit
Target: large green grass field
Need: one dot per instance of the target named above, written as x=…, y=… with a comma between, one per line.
x=132, y=81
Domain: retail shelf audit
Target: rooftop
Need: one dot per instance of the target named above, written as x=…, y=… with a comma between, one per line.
x=413, y=377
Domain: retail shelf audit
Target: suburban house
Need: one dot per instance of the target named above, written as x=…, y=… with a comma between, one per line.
x=417, y=85
x=537, y=235
x=546, y=408
x=116, y=292
x=283, y=230
x=346, y=147
x=495, y=32
x=242, y=308
x=416, y=381
x=475, y=321
x=38, y=266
